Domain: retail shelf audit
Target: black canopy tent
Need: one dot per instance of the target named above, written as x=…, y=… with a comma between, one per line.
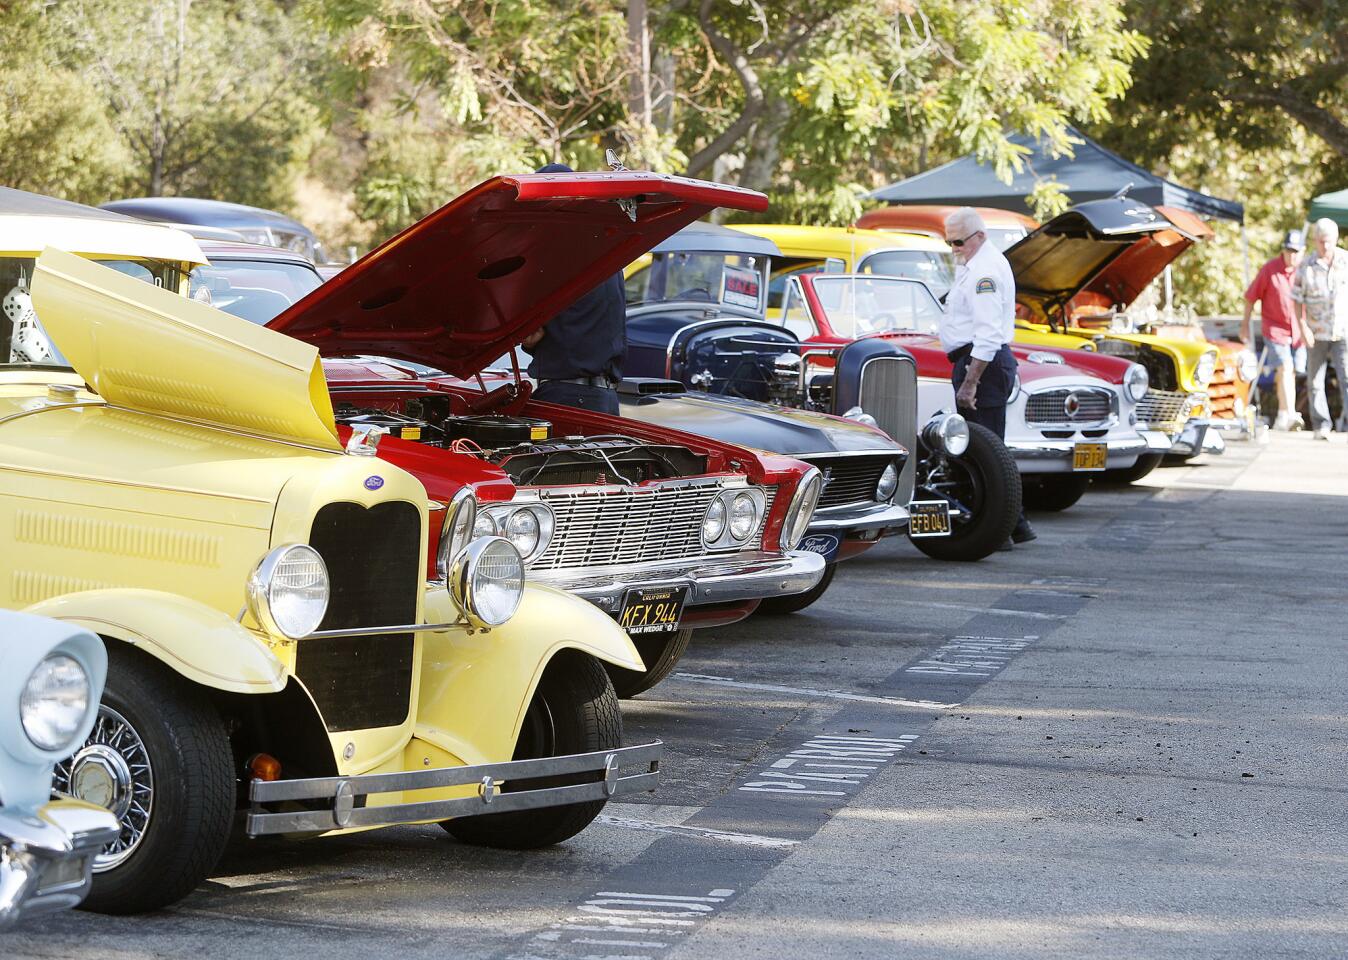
x=1093, y=173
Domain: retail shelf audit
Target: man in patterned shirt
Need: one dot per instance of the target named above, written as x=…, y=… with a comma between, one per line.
x=1320, y=290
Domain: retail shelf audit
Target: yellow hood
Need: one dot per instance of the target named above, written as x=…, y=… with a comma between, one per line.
x=144, y=348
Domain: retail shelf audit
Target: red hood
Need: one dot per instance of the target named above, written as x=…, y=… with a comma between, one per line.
x=932, y=361
x=464, y=285
x=1124, y=280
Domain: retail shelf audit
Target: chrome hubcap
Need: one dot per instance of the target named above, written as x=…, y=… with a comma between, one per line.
x=113, y=770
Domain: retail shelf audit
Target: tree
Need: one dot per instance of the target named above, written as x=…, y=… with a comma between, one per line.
x=1248, y=70
x=207, y=97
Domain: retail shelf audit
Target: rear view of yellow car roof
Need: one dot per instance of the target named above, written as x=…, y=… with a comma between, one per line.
x=30, y=222
x=845, y=243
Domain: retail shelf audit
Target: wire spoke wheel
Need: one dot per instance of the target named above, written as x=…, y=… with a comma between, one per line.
x=112, y=770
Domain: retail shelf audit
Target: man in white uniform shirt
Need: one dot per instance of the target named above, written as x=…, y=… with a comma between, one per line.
x=977, y=329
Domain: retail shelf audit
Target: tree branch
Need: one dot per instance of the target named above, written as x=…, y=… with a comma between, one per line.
x=754, y=99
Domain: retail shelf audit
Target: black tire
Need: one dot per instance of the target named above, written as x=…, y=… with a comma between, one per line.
x=1145, y=464
x=985, y=480
x=781, y=605
x=1053, y=491
x=574, y=710
x=192, y=785
x=660, y=653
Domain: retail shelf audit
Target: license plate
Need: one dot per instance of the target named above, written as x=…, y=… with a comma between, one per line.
x=929, y=518
x=652, y=610
x=824, y=544
x=1090, y=456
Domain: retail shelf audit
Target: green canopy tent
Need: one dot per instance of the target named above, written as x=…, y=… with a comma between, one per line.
x=1331, y=205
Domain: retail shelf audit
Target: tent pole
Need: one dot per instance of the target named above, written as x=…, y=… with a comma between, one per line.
x=1169, y=291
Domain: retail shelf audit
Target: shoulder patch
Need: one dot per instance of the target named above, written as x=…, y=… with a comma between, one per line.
x=986, y=285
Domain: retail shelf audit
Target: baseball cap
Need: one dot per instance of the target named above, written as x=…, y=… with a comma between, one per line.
x=1295, y=240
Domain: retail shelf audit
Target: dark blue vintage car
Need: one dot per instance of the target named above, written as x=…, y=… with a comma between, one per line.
x=705, y=358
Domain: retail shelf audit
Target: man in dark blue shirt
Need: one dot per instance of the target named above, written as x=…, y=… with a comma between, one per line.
x=578, y=355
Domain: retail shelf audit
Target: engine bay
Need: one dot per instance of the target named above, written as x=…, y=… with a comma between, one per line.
x=526, y=448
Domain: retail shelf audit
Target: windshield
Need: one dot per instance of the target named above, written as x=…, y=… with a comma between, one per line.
x=858, y=306
x=730, y=279
x=932, y=267
x=256, y=290
x=23, y=340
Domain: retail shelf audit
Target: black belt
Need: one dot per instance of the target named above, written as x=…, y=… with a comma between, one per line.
x=959, y=353
x=601, y=381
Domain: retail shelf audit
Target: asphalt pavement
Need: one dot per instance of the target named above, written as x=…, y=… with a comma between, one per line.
x=1126, y=739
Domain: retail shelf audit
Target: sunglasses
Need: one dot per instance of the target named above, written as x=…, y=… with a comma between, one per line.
x=960, y=243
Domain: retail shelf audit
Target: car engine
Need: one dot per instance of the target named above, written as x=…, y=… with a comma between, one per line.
x=525, y=448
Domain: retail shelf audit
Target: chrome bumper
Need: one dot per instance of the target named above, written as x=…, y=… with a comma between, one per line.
x=860, y=518
x=339, y=795
x=741, y=576
x=1192, y=439
x=47, y=855
x=1158, y=441
x=1055, y=456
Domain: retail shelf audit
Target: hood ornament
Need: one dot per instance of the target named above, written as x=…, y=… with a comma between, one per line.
x=365, y=439
x=627, y=205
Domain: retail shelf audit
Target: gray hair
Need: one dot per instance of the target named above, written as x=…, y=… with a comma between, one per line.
x=1326, y=228
x=964, y=222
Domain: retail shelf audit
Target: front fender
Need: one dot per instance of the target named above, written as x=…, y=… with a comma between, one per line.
x=199, y=642
x=476, y=687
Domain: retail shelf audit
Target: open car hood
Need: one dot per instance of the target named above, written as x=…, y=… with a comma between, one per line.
x=1129, y=274
x=459, y=288
x=1116, y=245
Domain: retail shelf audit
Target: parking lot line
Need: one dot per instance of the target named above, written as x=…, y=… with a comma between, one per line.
x=813, y=694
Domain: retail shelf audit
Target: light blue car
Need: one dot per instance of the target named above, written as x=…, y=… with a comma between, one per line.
x=51, y=679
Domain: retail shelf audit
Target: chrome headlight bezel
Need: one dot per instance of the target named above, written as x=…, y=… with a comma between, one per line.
x=1206, y=368
x=857, y=415
x=801, y=511
x=888, y=484
x=264, y=584
x=947, y=433
x=497, y=520
x=719, y=531
x=70, y=729
x=457, y=530
x=1136, y=382
x=489, y=557
x=1247, y=366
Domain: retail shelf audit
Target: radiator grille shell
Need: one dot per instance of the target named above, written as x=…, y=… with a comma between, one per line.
x=1093, y=405
x=372, y=559
x=889, y=394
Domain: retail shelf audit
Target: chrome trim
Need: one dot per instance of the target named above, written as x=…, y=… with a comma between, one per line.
x=36, y=842
x=1111, y=399
x=342, y=792
x=1190, y=440
x=1055, y=456
x=849, y=519
x=259, y=582
x=382, y=631
x=669, y=350
x=463, y=499
x=744, y=576
x=463, y=577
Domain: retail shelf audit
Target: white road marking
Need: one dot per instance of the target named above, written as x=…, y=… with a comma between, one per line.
x=971, y=656
x=860, y=756
x=970, y=608
x=807, y=692
x=724, y=836
x=644, y=921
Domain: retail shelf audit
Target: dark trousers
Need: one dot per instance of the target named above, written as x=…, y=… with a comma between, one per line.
x=994, y=388
x=579, y=395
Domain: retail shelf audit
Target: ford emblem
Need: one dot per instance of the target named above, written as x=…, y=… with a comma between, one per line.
x=373, y=483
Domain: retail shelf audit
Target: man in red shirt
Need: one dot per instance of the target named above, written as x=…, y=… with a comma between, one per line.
x=1286, y=354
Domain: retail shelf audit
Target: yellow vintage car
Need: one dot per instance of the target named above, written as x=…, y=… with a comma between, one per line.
x=1176, y=404
x=171, y=480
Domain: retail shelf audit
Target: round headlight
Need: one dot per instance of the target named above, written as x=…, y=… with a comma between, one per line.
x=54, y=702
x=1135, y=382
x=801, y=512
x=743, y=517
x=288, y=591
x=1207, y=366
x=460, y=521
x=484, y=525
x=947, y=433
x=486, y=581
x=522, y=531
x=861, y=416
x=713, y=523
x=889, y=482
x=1247, y=365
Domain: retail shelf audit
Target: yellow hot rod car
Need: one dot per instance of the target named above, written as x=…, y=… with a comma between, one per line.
x=171, y=480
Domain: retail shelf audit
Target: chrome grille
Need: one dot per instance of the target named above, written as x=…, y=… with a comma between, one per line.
x=889, y=394
x=1093, y=405
x=849, y=480
x=1161, y=406
x=601, y=526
